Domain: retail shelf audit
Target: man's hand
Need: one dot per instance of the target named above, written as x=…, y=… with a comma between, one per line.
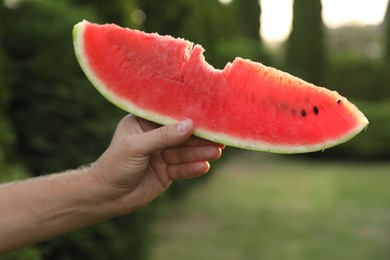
x=143, y=159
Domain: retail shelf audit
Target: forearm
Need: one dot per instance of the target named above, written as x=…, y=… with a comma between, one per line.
x=137, y=166
x=45, y=207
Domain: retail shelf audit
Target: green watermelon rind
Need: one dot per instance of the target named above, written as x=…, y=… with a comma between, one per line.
x=222, y=138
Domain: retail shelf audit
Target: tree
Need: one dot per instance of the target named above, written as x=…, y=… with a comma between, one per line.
x=305, y=45
x=248, y=14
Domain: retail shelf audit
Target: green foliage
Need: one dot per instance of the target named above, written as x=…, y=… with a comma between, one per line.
x=356, y=77
x=305, y=46
x=6, y=135
x=115, y=11
x=30, y=253
x=247, y=22
x=60, y=121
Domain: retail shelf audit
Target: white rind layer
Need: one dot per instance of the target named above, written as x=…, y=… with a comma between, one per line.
x=221, y=138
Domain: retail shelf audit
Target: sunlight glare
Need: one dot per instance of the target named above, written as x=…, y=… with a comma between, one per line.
x=359, y=12
x=225, y=2
x=276, y=15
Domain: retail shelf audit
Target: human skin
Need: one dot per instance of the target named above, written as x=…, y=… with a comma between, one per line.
x=141, y=162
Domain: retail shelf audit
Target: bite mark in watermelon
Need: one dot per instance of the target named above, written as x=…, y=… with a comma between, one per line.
x=246, y=105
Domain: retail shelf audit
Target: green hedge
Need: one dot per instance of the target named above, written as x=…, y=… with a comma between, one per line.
x=357, y=77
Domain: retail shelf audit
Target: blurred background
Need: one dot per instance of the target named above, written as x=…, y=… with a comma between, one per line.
x=329, y=205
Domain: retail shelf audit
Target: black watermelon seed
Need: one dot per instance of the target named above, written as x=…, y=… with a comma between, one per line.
x=303, y=112
x=338, y=101
x=315, y=109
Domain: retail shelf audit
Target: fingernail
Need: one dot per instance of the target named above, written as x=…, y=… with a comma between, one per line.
x=184, y=125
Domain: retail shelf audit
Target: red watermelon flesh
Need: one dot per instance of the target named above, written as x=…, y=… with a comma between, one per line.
x=247, y=104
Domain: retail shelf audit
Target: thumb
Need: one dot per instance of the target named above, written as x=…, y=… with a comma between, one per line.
x=165, y=137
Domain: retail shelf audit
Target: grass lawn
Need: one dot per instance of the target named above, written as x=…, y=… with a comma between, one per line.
x=262, y=206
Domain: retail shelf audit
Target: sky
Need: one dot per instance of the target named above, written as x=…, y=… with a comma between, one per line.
x=276, y=15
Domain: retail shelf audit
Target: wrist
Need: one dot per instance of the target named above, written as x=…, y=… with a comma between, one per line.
x=106, y=197
x=118, y=198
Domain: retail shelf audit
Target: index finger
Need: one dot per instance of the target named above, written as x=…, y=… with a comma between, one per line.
x=193, y=141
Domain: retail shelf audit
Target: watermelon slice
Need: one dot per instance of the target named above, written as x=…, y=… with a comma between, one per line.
x=246, y=105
